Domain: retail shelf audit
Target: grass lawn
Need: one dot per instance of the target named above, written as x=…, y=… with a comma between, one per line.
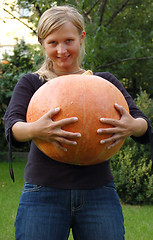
x=138, y=219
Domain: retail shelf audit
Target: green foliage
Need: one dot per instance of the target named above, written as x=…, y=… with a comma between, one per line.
x=132, y=164
x=123, y=44
x=119, y=37
x=25, y=59
x=119, y=40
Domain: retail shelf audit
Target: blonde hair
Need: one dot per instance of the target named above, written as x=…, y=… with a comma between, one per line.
x=51, y=20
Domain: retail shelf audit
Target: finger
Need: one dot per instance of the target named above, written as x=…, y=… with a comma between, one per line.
x=115, y=143
x=53, y=112
x=58, y=145
x=66, y=121
x=58, y=132
x=110, y=121
x=120, y=109
x=113, y=138
x=67, y=134
x=108, y=130
x=65, y=141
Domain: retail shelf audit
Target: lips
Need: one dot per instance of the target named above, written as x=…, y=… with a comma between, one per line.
x=63, y=59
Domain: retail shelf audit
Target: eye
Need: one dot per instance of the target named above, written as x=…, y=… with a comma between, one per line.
x=52, y=42
x=69, y=40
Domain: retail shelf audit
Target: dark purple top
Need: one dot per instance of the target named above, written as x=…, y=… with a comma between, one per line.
x=42, y=170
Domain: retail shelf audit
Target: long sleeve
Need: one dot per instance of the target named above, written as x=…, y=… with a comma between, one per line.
x=17, y=107
x=147, y=138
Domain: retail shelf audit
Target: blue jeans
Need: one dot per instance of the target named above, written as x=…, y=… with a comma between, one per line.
x=48, y=214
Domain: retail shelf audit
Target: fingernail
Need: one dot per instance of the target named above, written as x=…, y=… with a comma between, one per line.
x=102, y=119
x=102, y=141
x=75, y=118
x=57, y=109
x=79, y=135
x=99, y=131
x=74, y=143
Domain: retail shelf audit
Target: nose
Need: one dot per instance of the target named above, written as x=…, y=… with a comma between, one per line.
x=61, y=49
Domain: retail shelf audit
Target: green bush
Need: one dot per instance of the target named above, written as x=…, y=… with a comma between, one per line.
x=131, y=166
x=25, y=58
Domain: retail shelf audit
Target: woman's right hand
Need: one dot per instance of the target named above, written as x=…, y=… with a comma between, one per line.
x=51, y=131
x=46, y=129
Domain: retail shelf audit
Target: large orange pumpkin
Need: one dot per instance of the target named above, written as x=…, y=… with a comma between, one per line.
x=87, y=97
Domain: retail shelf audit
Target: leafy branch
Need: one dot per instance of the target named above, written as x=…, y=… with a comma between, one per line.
x=116, y=12
x=127, y=60
x=20, y=20
x=36, y=5
x=92, y=7
x=102, y=9
x=86, y=13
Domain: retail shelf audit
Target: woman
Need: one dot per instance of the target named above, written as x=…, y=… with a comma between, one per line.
x=57, y=196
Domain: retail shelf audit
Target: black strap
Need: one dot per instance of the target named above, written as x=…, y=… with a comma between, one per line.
x=10, y=157
x=151, y=145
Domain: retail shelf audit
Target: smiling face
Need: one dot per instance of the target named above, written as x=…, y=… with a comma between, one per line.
x=62, y=46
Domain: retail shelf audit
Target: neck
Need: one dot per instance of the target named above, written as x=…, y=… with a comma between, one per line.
x=67, y=73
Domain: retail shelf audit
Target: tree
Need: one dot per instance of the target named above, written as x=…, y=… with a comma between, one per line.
x=119, y=37
x=123, y=43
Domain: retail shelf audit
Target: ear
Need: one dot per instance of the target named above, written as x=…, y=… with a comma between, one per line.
x=43, y=45
x=83, y=35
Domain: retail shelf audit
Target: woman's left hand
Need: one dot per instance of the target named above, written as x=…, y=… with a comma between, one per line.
x=123, y=128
